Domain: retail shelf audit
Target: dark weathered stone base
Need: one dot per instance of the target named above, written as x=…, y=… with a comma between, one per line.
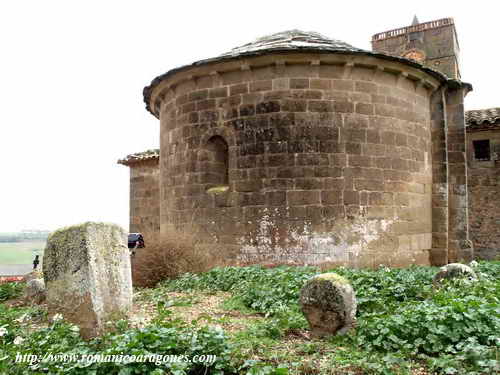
x=487, y=254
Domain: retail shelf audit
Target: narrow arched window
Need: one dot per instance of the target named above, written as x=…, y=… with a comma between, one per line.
x=218, y=160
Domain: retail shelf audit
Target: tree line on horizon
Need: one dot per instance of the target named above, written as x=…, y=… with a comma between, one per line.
x=24, y=235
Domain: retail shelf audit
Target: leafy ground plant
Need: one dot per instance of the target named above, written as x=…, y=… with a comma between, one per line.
x=405, y=326
x=10, y=290
x=401, y=316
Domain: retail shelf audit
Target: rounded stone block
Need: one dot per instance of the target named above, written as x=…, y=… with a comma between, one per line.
x=35, y=291
x=329, y=305
x=32, y=275
x=454, y=271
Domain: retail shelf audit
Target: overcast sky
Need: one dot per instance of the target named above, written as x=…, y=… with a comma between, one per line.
x=72, y=74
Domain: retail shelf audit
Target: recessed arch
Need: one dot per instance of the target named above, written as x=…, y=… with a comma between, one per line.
x=216, y=156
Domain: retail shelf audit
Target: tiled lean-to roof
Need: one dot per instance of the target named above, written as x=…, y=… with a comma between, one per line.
x=293, y=41
x=138, y=157
x=483, y=119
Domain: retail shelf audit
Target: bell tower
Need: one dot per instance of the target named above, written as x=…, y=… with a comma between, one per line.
x=433, y=43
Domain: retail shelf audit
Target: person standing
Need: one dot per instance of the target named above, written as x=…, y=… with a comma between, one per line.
x=36, y=262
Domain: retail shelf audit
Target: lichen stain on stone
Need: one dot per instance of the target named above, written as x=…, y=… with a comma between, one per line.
x=344, y=242
x=323, y=291
x=329, y=304
x=454, y=271
x=331, y=276
x=87, y=269
x=218, y=189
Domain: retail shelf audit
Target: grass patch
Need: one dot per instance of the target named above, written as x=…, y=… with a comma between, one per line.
x=11, y=290
x=20, y=252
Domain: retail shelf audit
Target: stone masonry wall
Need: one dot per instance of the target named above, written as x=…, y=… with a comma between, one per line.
x=145, y=199
x=440, y=214
x=484, y=197
x=460, y=248
x=328, y=162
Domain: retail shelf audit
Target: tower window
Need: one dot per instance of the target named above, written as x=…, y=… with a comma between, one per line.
x=482, y=149
x=218, y=160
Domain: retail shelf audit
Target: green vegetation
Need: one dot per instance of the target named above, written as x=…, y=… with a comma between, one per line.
x=404, y=326
x=10, y=290
x=21, y=247
x=402, y=318
x=20, y=252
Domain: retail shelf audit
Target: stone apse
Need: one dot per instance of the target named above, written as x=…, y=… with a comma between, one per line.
x=301, y=149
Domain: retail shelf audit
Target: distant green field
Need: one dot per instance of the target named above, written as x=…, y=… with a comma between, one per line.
x=20, y=252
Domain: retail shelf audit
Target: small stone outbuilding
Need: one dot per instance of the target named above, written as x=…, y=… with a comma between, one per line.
x=144, y=193
x=483, y=178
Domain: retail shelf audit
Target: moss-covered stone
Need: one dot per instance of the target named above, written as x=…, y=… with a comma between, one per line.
x=329, y=304
x=34, y=291
x=454, y=271
x=331, y=277
x=33, y=275
x=218, y=189
x=86, y=269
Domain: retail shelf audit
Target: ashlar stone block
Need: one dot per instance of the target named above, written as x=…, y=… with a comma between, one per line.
x=87, y=275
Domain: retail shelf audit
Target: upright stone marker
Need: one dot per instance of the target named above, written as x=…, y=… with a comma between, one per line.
x=329, y=305
x=87, y=275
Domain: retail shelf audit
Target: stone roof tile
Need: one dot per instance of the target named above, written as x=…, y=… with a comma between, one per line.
x=483, y=119
x=153, y=154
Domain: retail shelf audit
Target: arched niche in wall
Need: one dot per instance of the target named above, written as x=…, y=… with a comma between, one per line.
x=215, y=159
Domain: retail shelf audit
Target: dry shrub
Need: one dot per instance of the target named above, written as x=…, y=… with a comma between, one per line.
x=167, y=259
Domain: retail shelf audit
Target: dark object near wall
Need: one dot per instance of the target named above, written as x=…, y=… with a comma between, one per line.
x=135, y=240
x=483, y=253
